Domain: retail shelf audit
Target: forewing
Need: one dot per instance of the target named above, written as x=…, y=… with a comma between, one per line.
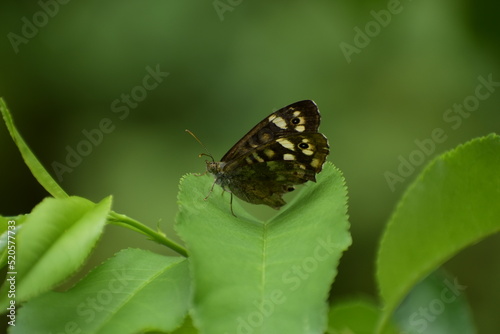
x=299, y=117
x=306, y=151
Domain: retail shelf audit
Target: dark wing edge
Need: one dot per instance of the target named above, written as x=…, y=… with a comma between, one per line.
x=277, y=124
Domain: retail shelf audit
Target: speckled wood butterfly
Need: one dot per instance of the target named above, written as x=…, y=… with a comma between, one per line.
x=283, y=150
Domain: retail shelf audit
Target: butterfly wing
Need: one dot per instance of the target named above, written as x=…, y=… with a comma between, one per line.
x=299, y=117
x=264, y=174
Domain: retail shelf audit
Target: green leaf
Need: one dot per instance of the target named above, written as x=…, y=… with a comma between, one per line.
x=454, y=203
x=43, y=177
x=187, y=328
x=54, y=241
x=357, y=316
x=46, y=180
x=132, y=292
x=12, y=224
x=264, y=277
x=158, y=236
x=436, y=305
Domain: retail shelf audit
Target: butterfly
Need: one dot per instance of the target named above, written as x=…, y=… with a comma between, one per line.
x=283, y=150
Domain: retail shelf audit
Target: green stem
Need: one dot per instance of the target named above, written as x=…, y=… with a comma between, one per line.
x=160, y=238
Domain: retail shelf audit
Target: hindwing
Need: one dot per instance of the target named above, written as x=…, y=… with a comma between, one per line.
x=264, y=174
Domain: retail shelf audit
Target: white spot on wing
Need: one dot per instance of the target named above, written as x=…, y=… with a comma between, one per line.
x=288, y=157
x=315, y=163
x=269, y=153
x=256, y=156
x=286, y=143
x=280, y=122
x=308, y=152
x=300, y=128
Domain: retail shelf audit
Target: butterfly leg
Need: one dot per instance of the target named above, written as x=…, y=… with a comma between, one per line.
x=210, y=192
x=231, y=204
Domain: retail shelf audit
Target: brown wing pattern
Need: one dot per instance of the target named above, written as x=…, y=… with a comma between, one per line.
x=306, y=151
x=299, y=117
x=289, y=161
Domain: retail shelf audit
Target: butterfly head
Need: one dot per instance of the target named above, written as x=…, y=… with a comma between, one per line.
x=214, y=167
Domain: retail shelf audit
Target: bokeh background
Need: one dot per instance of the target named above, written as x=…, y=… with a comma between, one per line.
x=230, y=64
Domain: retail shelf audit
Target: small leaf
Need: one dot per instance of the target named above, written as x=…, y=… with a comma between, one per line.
x=12, y=224
x=132, y=292
x=436, y=305
x=453, y=204
x=271, y=277
x=39, y=172
x=54, y=241
x=357, y=316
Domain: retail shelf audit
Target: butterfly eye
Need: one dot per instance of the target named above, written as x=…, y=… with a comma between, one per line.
x=303, y=145
x=295, y=121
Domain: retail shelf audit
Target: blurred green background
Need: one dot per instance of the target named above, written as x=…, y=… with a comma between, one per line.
x=230, y=65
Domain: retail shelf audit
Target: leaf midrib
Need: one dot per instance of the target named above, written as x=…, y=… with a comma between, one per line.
x=263, y=273
x=106, y=320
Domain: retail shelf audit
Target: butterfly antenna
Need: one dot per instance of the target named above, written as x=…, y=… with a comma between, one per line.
x=208, y=154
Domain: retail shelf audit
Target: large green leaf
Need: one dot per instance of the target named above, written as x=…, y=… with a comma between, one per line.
x=264, y=277
x=134, y=291
x=454, y=203
x=38, y=171
x=54, y=241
